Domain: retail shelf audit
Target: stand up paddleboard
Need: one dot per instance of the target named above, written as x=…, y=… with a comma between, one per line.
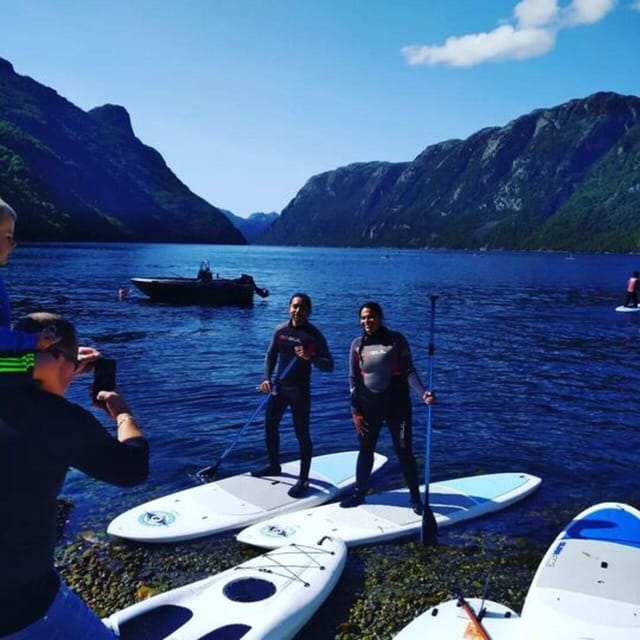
x=588, y=583
x=237, y=501
x=388, y=515
x=451, y=621
x=270, y=597
x=624, y=309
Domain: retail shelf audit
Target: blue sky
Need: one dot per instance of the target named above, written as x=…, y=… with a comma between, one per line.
x=247, y=99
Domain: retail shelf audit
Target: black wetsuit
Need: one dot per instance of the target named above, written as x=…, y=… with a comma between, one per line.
x=380, y=373
x=41, y=436
x=295, y=390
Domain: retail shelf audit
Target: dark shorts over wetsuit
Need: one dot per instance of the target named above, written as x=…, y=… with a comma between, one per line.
x=380, y=373
x=41, y=436
x=295, y=390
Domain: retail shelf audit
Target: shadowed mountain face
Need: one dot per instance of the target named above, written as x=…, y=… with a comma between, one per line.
x=254, y=225
x=564, y=178
x=76, y=175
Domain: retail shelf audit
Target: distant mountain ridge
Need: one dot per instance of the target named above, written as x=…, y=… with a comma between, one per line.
x=76, y=175
x=560, y=178
x=564, y=178
x=254, y=225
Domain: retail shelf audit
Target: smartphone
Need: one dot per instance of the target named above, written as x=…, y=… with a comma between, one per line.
x=104, y=377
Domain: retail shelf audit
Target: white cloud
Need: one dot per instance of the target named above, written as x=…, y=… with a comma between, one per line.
x=535, y=13
x=534, y=34
x=586, y=12
x=503, y=43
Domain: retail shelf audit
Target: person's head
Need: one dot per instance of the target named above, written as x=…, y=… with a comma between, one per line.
x=7, y=230
x=56, y=366
x=371, y=317
x=299, y=308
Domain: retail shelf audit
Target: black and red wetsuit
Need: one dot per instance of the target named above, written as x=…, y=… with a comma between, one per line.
x=295, y=390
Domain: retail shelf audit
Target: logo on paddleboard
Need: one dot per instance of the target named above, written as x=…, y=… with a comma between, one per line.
x=277, y=531
x=157, y=518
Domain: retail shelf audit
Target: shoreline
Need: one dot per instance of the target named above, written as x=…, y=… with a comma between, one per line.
x=383, y=587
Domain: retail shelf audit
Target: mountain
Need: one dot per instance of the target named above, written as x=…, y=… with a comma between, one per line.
x=563, y=178
x=76, y=175
x=254, y=225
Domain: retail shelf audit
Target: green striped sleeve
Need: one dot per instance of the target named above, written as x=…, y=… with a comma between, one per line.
x=17, y=364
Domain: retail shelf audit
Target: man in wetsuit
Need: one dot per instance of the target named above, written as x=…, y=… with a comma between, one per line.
x=296, y=338
x=42, y=435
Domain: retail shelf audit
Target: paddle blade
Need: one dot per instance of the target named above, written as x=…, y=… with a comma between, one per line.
x=429, y=531
x=474, y=629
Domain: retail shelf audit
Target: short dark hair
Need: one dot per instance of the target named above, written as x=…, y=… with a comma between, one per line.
x=304, y=296
x=40, y=320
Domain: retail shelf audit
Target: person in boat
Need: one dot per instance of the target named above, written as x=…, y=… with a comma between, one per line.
x=633, y=284
x=17, y=348
x=296, y=338
x=380, y=373
x=204, y=273
x=42, y=435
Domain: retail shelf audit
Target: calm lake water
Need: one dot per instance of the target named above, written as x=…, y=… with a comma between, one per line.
x=534, y=369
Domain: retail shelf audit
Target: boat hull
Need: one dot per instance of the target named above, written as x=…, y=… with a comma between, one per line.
x=191, y=291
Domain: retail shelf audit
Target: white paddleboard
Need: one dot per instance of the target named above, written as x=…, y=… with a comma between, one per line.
x=587, y=586
x=235, y=502
x=624, y=309
x=270, y=597
x=448, y=621
x=388, y=515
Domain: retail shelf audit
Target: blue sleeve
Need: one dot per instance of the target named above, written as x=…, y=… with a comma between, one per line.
x=17, y=341
x=12, y=341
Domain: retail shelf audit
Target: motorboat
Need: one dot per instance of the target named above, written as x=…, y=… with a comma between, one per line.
x=204, y=289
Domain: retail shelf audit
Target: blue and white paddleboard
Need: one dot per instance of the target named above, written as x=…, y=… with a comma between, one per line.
x=587, y=586
x=450, y=621
x=388, y=515
x=235, y=502
x=623, y=309
x=270, y=597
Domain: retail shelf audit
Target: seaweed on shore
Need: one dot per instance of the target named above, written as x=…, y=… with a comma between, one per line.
x=381, y=590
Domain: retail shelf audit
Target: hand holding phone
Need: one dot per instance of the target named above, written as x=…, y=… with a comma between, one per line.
x=104, y=377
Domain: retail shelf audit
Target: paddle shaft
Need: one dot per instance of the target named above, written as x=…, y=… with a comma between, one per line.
x=479, y=630
x=429, y=529
x=208, y=471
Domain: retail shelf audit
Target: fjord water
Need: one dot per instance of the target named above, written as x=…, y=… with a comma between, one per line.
x=533, y=368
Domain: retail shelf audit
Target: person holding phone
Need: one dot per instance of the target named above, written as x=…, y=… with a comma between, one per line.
x=42, y=435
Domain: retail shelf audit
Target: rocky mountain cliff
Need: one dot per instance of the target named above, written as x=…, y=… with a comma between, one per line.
x=565, y=178
x=76, y=175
